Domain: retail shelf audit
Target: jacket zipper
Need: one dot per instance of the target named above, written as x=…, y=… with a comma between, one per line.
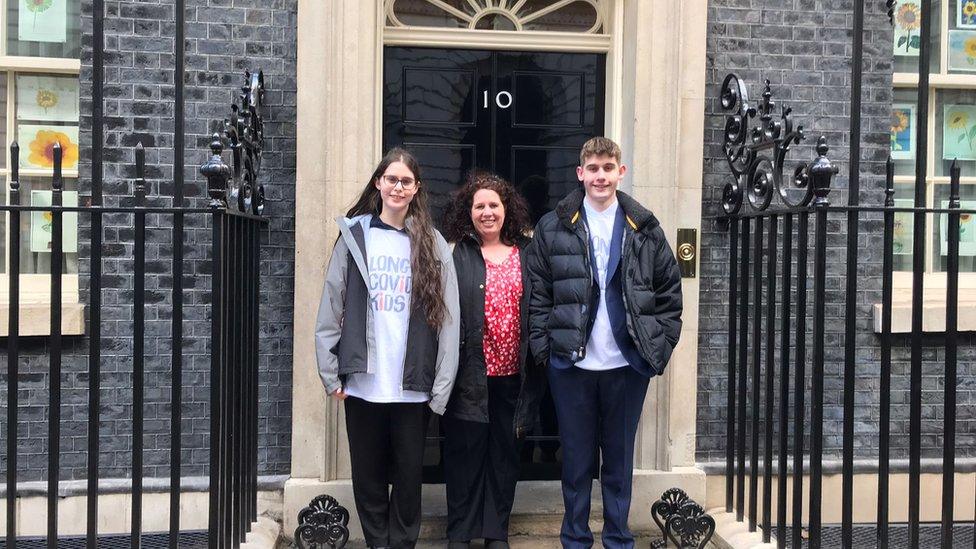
x=627, y=283
x=589, y=269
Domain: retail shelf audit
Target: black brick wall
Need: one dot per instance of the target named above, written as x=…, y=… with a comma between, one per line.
x=223, y=38
x=804, y=47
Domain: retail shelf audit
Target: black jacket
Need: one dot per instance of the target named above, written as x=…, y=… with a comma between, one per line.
x=563, y=288
x=469, y=399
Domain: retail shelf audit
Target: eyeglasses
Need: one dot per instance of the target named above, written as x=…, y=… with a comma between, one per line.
x=406, y=182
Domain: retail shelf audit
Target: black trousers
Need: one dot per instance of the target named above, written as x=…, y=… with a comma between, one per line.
x=386, y=444
x=481, y=466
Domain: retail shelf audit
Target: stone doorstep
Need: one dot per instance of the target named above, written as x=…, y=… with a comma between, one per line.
x=264, y=534
x=732, y=534
x=515, y=542
x=537, y=512
x=536, y=519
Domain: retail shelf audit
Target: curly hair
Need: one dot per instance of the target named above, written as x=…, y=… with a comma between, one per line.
x=424, y=263
x=457, y=222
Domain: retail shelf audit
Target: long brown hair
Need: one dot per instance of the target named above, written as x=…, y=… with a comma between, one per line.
x=425, y=263
x=458, y=218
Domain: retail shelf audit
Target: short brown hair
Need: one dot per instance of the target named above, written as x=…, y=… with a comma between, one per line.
x=600, y=146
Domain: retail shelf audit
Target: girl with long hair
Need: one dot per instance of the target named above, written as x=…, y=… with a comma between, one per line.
x=390, y=287
x=498, y=388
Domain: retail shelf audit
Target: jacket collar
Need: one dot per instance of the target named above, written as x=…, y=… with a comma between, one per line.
x=638, y=217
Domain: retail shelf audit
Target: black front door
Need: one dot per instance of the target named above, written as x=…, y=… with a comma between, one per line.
x=522, y=115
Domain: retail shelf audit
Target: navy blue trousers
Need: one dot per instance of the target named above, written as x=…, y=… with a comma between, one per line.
x=597, y=412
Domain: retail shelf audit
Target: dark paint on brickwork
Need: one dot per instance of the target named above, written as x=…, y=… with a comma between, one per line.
x=803, y=47
x=221, y=42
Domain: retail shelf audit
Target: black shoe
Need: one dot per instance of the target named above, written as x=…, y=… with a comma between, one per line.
x=496, y=544
x=459, y=545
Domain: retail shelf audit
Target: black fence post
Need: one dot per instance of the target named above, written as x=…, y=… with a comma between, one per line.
x=743, y=367
x=176, y=393
x=821, y=172
x=730, y=402
x=884, y=441
x=767, y=495
x=13, y=348
x=784, y=382
x=918, y=277
x=756, y=375
x=850, y=312
x=138, y=345
x=952, y=343
x=217, y=174
x=799, y=375
x=54, y=387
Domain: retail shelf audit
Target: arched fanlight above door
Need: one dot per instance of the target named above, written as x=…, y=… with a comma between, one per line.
x=580, y=16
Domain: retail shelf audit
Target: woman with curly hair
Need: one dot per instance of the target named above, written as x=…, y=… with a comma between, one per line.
x=497, y=390
x=390, y=287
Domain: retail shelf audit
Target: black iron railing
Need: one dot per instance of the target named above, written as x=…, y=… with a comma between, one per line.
x=753, y=370
x=234, y=351
x=235, y=214
x=756, y=146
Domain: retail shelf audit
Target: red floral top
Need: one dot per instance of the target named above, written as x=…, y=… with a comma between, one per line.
x=503, y=294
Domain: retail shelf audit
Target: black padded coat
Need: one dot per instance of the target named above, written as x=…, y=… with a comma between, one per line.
x=561, y=310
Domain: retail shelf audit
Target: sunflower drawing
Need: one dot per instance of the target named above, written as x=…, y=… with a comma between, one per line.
x=958, y=120
x=38, y=6
x=968, y=13
x=961, y=130
x=42, y=149
x=966, y=233
x=969, y=47
x=908, y=20
x=899, y=123
x=46, y=99
x=909, y=16
x=48, y=218
x=902, y=238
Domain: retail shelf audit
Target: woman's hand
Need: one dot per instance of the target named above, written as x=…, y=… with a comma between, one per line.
x=339, y=394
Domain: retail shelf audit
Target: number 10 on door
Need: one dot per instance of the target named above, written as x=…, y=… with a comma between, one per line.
x=503, y=99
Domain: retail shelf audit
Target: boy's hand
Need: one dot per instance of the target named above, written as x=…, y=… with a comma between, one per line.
x=339, y=394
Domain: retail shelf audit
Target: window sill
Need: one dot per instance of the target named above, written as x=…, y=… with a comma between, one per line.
x=933, y=316
x=35, y=319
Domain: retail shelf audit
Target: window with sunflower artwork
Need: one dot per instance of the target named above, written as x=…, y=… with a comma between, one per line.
x=40, y=49
x=951, y=125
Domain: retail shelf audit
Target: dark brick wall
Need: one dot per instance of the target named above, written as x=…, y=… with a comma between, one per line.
x=223, y=38
x=804, y=48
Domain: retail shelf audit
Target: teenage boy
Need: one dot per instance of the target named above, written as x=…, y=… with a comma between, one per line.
x=605, y=315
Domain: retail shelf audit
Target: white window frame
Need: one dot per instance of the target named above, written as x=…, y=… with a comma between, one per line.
x=938, y=81
x=35, y=288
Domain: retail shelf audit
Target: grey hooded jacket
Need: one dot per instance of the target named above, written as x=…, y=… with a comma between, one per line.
x=345, y=342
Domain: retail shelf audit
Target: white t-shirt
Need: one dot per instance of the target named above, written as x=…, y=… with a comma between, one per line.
x=602, y=352
x=390, y=280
